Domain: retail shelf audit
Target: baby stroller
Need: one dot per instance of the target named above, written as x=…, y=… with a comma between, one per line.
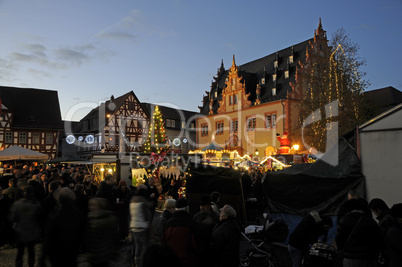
x=321, y=255
x=260, y=237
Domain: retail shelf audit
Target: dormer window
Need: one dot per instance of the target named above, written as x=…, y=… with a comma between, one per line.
x=273, y=91
x=273, y=77
x=263, y=81
x=275, y=63
x=291, y=59
x=286, y=74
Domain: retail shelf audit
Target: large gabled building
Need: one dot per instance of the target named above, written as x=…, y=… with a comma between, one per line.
x=30, y=118
x=249, y=104
x=119, y=125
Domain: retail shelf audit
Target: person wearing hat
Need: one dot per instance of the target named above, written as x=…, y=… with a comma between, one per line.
x=206, y=220
x=179, y=234
x=225, y=240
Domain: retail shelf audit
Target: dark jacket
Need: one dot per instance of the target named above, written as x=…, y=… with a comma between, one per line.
x=65, y=236
x=179, y=235
x=225, y=243
x=101, y=236
x=106, y=191
x=392, y=239
x=365, y=240
x=160, y=227
x=307, y=232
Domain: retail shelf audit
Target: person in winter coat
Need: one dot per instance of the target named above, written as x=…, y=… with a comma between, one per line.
x=169, y=208
x=306, y=233
x=25, y=215
x=359, y=236
x=179, y=234
x=391, y=232
x=64, y=235
x=101, y=233
x=206, y=220
x=225, y=239
x=140, y=224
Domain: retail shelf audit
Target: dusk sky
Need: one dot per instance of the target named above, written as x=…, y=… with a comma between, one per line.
x=167, y=51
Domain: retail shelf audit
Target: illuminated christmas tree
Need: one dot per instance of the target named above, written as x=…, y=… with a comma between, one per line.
x=156, y=135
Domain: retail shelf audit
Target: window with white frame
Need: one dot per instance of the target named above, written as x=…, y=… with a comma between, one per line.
x=8, y=138
x=273, y=120
x=22, y=138
x=35, y=138
x=235, y=99
x=219, y=127
x=234, y=124
x=49, y=139
x=167, y=123
x=268, y=121
x=251, y=124
x=204, y=130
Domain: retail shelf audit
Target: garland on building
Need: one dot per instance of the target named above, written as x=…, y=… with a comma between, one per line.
x=156, y=135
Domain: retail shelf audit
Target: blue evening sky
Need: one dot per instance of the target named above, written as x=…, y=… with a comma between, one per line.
x=167, y=51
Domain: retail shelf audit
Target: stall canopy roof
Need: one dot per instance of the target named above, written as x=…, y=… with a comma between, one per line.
x=213, y=146
x=320, y=186
x=20, y=153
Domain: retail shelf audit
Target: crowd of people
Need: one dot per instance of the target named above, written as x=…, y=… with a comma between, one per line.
x=360, y=240
x=79, y=220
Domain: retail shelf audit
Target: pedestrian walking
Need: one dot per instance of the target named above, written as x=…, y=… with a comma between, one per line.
x=25, y=218
x=140, y=223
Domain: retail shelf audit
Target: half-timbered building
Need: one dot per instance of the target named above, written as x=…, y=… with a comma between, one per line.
x=30, y=118
x=119, y=125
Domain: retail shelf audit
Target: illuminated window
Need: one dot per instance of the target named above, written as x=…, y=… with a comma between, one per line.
x=290, y=59
x=275, y=63
x=263, y=81
x=286, y=74
x=273, y=91
x=273, y=77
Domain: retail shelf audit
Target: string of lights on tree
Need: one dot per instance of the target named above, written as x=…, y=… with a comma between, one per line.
x=156, y=140
x=340, y=82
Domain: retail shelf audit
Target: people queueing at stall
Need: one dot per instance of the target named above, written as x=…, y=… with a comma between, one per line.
x=77, y=219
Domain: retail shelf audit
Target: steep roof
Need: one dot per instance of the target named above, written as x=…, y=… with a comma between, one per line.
x=110, y=107
x=253, y=71
x=170, y=113
x=384, y=97
x=32, y=108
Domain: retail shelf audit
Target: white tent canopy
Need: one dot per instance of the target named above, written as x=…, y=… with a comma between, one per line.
x=20, y=153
